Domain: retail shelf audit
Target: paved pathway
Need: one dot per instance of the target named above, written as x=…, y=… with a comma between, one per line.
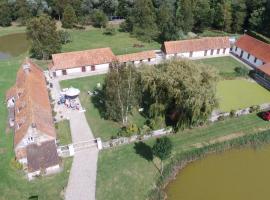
x=82, y=178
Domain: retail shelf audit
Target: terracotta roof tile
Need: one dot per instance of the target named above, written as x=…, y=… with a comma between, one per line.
x=82, y=58
x=255, y=47
x=136, y=56
x=11, y=93
x=265, y=68
x=33, y=103
x=207, y=43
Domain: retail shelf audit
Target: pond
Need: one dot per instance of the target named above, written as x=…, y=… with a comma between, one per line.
x=13, y=45
x=241, y=174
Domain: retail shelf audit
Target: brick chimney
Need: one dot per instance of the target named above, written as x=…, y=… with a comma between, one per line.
x=26, y=67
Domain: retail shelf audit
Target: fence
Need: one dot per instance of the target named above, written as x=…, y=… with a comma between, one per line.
x=134, y=138
x=217, y=115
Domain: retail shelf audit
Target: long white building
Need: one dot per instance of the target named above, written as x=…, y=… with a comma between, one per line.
x=197, y=48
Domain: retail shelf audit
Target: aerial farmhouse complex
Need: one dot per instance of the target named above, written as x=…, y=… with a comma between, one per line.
x=30, y=115
x=29, y=106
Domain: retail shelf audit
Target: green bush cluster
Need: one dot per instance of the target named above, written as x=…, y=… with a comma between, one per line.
x=15, y=164
x=254, y=109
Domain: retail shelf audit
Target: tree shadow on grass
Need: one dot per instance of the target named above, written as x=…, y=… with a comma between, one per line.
x=144, y=151
x=98, y=101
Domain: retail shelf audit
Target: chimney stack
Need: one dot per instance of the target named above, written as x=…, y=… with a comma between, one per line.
x=26, y=68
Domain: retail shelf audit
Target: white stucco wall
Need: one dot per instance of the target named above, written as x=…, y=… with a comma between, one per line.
x=200, y=54
x=251, y=58
x=74, y=70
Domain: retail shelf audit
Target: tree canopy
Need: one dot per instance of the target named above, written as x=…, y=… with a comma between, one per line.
x=180, y=91
x=44, y=38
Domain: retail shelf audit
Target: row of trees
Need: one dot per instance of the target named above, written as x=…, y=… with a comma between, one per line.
x=178, y=93
x=173, y=19
x=150, y=19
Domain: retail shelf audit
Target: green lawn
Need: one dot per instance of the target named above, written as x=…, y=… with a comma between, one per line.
x=237, y=94
x=125, y=175
x=63, y=132
x=11, y=30
x=225, y=65
x=121, y=43
x=101, y=128
x=13, y=184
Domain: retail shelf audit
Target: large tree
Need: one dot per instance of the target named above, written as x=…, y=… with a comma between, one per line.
x=121, y=92
x=5, y=14
x=69, y=17
x=239, y=13
x=203, y=15
x=166, y=22
x=162, y=149
x=41, y=31
x=184, y=15
x=142, y=20
x=181, y=91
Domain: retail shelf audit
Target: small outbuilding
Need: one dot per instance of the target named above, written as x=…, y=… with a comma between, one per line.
x=138, y=58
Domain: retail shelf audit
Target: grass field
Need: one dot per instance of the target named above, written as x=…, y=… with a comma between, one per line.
x=100, y=127
x=63, y=132
x=237, y=94
x=11, y=30
x=124, y=174
x=225, y=65
x=120, y=43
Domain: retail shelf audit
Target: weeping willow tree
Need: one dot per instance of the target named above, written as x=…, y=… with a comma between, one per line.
x=180, y=91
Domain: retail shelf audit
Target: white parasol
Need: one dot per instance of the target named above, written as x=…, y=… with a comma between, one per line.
x=72, y=92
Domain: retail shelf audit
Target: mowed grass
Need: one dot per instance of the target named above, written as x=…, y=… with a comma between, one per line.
x=225, y=65
x=239, y=94
x=11, y=30
x=63, y=132
x=125, y=175
x=13, y=184
x=101, y=127
x=120, y=43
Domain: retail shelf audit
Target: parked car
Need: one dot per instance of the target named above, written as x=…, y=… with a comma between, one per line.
x=266, y=116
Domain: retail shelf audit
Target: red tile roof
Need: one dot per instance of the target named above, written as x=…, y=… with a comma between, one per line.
x=265, y=69
x=207, y=43
x=255, y=47
x=82, y=58
x=136, y=56
x=33, y=103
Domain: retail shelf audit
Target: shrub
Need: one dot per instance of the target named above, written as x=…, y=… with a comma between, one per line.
x=15, y=164
x=64, y=37
x=145, y=130
x=241, y=71
x=221, y=118
x=99, y=19
x=232, y=113
x=255, y=108
x=109, y=30
x=128, y=130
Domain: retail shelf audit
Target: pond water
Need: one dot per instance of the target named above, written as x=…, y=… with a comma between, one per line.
x=13, y=45
x=236, y=175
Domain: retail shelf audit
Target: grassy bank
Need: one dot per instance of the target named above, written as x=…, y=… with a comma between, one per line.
x=181, y=160
x=11, y=30
x=126, y=173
